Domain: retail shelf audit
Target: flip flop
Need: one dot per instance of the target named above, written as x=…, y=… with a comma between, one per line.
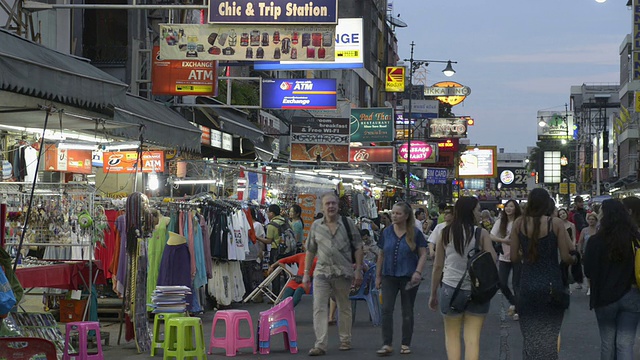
x=404, y=349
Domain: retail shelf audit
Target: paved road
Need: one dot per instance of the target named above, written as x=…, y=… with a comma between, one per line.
x=501, y=338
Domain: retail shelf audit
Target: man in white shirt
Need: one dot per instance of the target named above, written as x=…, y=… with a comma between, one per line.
x=436, y=234
x=420, y=215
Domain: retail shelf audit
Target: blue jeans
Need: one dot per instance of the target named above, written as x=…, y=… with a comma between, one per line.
x=618, y=323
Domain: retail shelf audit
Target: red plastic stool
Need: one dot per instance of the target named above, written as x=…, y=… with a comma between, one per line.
x=24, y=348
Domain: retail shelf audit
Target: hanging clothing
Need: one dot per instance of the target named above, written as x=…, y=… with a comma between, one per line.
x=31, y=162
x=123, y=258
x=207, y=245
x=106, y=253
x=175, y=267
x=157, y=244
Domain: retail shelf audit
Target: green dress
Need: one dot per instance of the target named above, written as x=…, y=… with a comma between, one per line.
x=156, y=248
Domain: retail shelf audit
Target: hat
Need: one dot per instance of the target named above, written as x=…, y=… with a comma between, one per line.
x=176, y=239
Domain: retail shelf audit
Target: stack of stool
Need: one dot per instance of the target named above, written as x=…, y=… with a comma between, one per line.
x=279, y=319
x=232, y=341
x=183, y=338
x=83, y=328
x=161, y=319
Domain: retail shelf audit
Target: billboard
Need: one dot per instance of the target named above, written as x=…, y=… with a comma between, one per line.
x=372, y=154
x=420, y=109
x=447, y=128
x=68, y=160
x=512, y=177
x=183, y=77
x=299, y=94
x=324, y=153
x=556, y=125
x=320, y=139
x=480, y=162
x=421, y=152
x=436, y=176
x=348, y=51
x=372, y=125
x=274, y=11
x=126, y=162
x=247, y=42
x=395, y=79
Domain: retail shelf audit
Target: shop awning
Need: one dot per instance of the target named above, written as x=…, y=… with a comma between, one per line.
x=32, y=69
x=160, y=125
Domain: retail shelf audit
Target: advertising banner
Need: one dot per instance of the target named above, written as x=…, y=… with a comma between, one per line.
x=348, y=53
x=307, y=203
x=558, y=125
x=480, y=163
x=183, y=77
x=324, y=153
x=216, y=138
x=421, y=152
x=447, y=128
x=323, y=139
x=420, y=109
x=247, y=42
x=372, y=125
x=512, y=177
x=299, y=94
x=372, y=154
x=126, y=162
x=273, y=11
x=435, y=176
x=67, y=160
x=395, y=79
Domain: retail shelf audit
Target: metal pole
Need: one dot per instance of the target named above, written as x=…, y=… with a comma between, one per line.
x=598, y=134
x=409, y=135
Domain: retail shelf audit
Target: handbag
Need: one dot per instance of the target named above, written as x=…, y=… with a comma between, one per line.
x=7, y=297
x=559, y=297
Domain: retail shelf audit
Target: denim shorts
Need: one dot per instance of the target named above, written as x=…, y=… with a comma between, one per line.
x=444, y=298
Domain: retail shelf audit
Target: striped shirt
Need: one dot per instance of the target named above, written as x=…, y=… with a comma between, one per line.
x=333, y=250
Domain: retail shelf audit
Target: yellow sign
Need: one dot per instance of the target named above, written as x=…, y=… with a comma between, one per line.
x=564, y=188
x=343, y=54
x=453, y=96
x=395, y=79
x=637, y=93
x=573, y=189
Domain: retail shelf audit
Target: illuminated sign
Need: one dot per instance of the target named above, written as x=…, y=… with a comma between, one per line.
x=448, y=145
x=512, y=177
x=395, y=79
x=372, y=154
x=299, y=94
x=447, y=128
x=448, y=92
x=558, y=125
x=183, y=77
x=478, y=163
x=421, y=152
x=274, y=11
x=126, y=162
x=371, y=125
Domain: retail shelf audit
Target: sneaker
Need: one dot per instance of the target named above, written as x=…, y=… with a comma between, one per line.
x=345, y=346
x=588, y=291
x=516, y=317
x=511, y=310
x=316, y=352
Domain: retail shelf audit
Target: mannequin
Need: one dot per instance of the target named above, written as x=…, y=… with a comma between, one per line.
x=176, y=239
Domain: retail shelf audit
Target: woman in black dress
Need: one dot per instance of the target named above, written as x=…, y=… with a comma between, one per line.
x=535, y=241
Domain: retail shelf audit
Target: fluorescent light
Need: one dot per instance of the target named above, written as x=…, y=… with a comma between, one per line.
x=122, y=146
x=74, y=146
x=360, y=177
x=192, y=182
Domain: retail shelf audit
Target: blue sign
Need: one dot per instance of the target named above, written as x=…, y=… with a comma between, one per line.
x=436, y=176
x=315, y=94
x=274, y=11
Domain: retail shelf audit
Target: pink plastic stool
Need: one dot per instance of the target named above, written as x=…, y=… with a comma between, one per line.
x=83, y=329
x=279, y=319
x=232, y=340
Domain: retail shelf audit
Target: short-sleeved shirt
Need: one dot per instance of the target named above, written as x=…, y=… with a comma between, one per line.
x=436, y=234
x=333, y=250
x=298, y=230
x=273, y=231
x=506, y=248
x=399, y=259
x=298, y=259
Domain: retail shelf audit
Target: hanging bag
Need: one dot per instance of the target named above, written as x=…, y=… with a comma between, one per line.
x=7, y=297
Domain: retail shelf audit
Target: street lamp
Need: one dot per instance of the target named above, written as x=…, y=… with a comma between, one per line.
x=414, y=65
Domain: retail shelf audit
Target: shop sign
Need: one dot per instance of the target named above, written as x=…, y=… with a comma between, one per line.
x=307, y=203
x=372, y=154
x=372, y=125
x=558, y=125
x=448, y=145
x=67, y=160
x=448, y=92
x=216, y=138
x=311, y=130
x=636, y=41
x=227, y=142
x=183, y=77
x=511, y=177
x=421, y=152
x=247, y=42
x=319, y=152
x=420, y=109
x=126, y=162
x=395, y=79
x=299, y=94
x=478, y=163
x=348, y=54
x=205, y=139
x=447, y=128
x=274, y=11
x=96, y=159
x=435, y=176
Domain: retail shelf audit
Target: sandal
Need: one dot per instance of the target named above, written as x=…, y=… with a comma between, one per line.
x=404, y=349
x=385, y=350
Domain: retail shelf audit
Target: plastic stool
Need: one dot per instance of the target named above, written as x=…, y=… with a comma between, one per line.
x=232, y=340
x=24, y=348
x=279, y=319
x=184, y=338
x=83, y=328
x=158, y=319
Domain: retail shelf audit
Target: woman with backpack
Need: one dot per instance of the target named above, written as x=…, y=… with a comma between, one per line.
x=543, y=296
x=296, y=223
x=609, y=265
x=450, y=265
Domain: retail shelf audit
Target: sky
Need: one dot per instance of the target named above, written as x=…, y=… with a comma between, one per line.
x=517, y=57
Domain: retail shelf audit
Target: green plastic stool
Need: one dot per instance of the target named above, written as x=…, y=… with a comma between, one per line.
x=158, y=319
x=184, y=338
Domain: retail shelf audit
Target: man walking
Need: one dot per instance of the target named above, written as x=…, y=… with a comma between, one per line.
x=334, y=245
x=579, y=215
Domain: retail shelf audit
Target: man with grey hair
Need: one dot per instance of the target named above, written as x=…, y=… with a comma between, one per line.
x=335, y=245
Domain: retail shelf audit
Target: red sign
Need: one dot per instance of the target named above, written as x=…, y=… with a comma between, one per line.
x=206, y=135
x=183, y=77
x=448, y=145
x=315, y=152
x=125, y=162
x=372, y=154
x=67, y=160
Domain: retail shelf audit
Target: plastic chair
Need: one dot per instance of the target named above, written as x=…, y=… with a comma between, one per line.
x=24, y=348
x=279, y=319
x=264, y=289
x=83, y=328
x=368, y=293
x=161, y=319
x=232, y=341
x=184, y=338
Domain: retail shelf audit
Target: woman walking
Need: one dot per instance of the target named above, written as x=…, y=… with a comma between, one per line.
x=609, y=264
x=500, y=233
x=543, y=296
x=571, y=228
x=449, y=265
x=297, y=225
x=399, y=269
x=585, y=235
